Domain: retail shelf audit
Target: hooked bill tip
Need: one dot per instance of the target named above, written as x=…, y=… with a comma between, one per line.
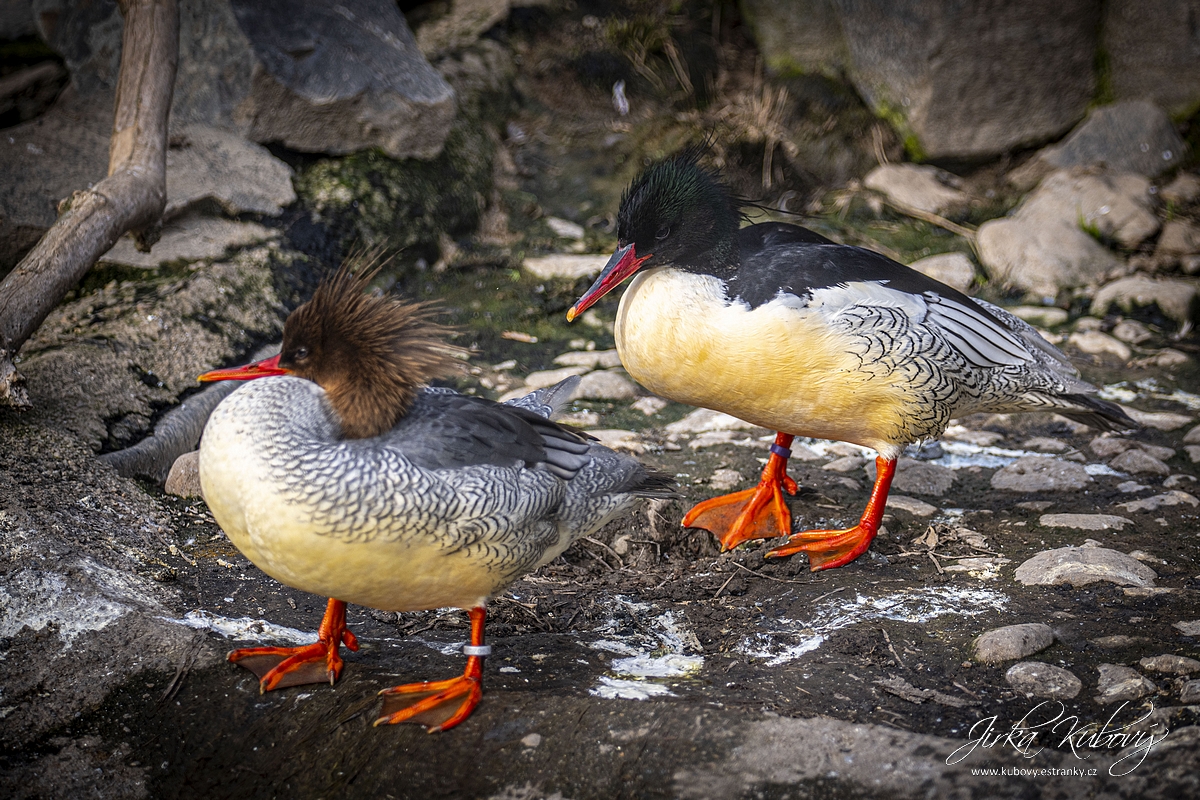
x=572, y=313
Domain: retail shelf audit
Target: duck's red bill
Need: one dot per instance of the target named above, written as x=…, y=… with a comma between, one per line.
x=260, y=369
x=623, y=263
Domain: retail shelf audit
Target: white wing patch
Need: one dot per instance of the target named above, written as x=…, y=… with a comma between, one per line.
x=981, y=340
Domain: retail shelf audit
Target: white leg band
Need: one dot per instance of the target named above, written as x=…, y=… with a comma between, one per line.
x=478, y=650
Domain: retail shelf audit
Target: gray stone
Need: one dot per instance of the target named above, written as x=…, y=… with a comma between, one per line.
x=1041, y=474
x=1036, y=679
x=619, y=439
x=1175, y=481
x=548, y=377
x=1189, y=627
x=1169, y=662
x=1079, y=566
x=1045, y=444
x=605, y=385
x=649, y=405
x=1138, y=462
x=564, y=267
x=1085, y=522
x=1192, y=436
x=1118, y=641
x=184, y=478
x=1131, y=331
x=705, y=419
x=1159, y=420
x=1174, y=497
x=1183, y=190
x=911, y=505
x=1121, y=683
x=918, y=477
x=592, y=359
x=190, y=238
x=1042, y=316
x=1175, y=298
x=725, y=479
x=1129, y=136
x=845, y=464
x=16, y=19
x=957, y=433
x=918, y=186
x=952, y=269
x=1193, y=452
x=208, y=163
x=798, y=38
x=960, y=83
x=1190, y=693
x=1096, y=343
x=717, y=438
x=1166, y=358
x=1012, y=642
x=1179, y=238
x=463, y=23
x=1151, y=50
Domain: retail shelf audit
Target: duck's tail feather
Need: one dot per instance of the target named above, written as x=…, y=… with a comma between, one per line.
x=654, y=484
x=544, y=402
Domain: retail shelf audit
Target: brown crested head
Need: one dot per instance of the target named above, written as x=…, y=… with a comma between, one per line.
x=371, y=355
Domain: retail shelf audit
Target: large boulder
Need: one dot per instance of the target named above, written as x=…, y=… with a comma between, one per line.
x=798, y=38
x=1153, y=51
x=971, y=79
x=331, y=78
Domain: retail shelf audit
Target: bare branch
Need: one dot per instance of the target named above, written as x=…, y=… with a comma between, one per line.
x=132, y=197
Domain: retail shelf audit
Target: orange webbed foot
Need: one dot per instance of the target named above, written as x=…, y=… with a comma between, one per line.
x=319, y=662
x=440, y=705
x=758, y=513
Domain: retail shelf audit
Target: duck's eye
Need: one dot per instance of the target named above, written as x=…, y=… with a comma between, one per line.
x=300, y=354
x=663, y=232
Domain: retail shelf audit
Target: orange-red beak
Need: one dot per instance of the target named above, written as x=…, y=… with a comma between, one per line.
x=623, y=263
x=261, y=369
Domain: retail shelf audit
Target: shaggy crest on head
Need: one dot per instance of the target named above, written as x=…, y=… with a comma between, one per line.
x=371, y=354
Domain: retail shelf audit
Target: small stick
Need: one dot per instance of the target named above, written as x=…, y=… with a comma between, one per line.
x=895, y=655
x=723, y=585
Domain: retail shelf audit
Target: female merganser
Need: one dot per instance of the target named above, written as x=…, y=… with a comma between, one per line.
x=348, y=478
x=783, y=328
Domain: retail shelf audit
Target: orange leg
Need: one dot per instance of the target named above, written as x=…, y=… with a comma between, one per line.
x=831, y=548
x=757, y=513
x=441, y=705
x=278, y=667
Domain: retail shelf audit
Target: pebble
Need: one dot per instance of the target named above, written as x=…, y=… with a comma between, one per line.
x=725, y=479
x=650, y=405
x=1165, y=358
x=1184, y=189
x=1176, y=665
x=1192, y=436
x=1171, y=498
x=918, y=508
x=957, y=433
x=1138, y=462
x=580, y=419
x=532, y=740
x=1084, y=522
x=1108, y=446
x=716, y=438
x=1042, y=316
x=918, y=477
x=1178, y=480
x=1189, y=628
x=705, y=419
x=845, y=464
x=1080, y=566
x=184, y=478
x=592, y=359
x=564, y=266
x=1174, y=297
x=1159, y=420
x=1041, y=474
x=1036, y=679
x=952, y=269
x=549, y=377
x=564, y=227
x=1126, y=487
x=1035, y=505
x=1190, y=693
x=1118, y=641
x=605, y=385
x=1131, y=331
x=1122, y=683
x=1193, y=452
x=1096, y=343
x=1012, y=642
x=617, y=439
x=1045, y=444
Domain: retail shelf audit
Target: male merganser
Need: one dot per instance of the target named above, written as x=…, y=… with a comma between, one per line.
x=783, y=328
x=348, y=478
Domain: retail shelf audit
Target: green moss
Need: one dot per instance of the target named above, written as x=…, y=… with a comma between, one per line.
x=1102, y=66
x=896, y=118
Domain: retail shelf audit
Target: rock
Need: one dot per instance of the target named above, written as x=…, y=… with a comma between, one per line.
x=1080, y=566
x=1096, y=343
x=798, y=38
x=1045, y=444
x=565, y=267
x=619, y=439
x=918, y=477
x=958, y=433
x=548, y=377
x=1084, y=522
x=463, y=22
x=580, y=419
x=845, y=464
x=16, y=19
x=208, y=163
x=1012, y=642
x=1190, y=693
x=190, y=238
x=1041, y=474
x=918, y=186
x=933, y=70
x=1174, y=664
x=564, y=228
x=1193, y=452
x=1178, y=480
x=184, y=478
x=1159, y=420
x=1174, y=497
x=1179, y=238
x=725, y=479
x=1139, y=462
x=1192, y=436
x=1148, y=48
x=1176, y=299
x=1036, y=679
x=592, y=359
x=1121, y=683
x=27, y=93
x=1181, y=191
x=1119, y=641
x=952, y=269
x=1191, y=628
x=705, y=419
x=1133, y=136
x=1041, y=316
x=1131, y=331
x=605, y=385
x=649, y=405
x=918, y=508
x=717, y=438
x=1166, y=358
